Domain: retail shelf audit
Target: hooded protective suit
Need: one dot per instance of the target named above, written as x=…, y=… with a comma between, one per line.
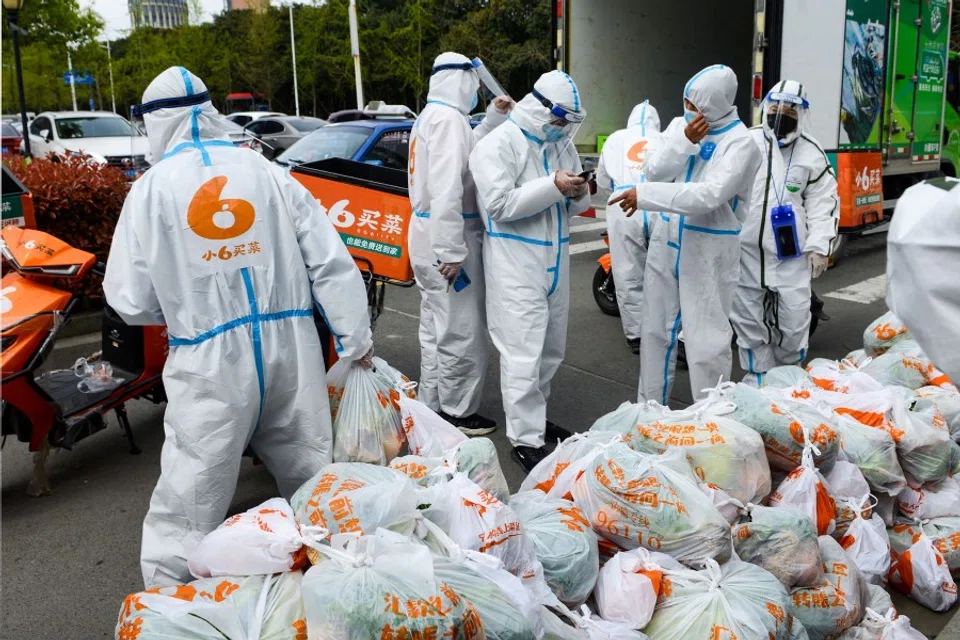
x=446, y=227
x=232, y=255
x=526, y=253
x=771, y=309
x=621, y=167
x=693, y=259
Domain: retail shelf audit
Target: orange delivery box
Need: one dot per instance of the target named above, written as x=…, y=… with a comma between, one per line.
x=370, y=208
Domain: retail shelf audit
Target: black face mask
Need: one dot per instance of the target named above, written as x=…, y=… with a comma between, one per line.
x=781, y=125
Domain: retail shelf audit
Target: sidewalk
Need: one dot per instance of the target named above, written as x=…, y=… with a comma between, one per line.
x=952, y=630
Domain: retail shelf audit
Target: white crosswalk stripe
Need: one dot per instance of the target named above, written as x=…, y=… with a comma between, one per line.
x=586, y=247
x=585, y=232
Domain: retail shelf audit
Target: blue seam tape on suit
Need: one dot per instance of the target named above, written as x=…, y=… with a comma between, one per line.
x=238, y=322
x=257, y=343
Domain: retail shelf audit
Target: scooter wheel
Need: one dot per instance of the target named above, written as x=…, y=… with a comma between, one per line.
x=604, y=292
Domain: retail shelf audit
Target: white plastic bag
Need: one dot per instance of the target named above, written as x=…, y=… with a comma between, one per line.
x=476, y=457
x=838, y=603
x=782, y=541
x=557, y=472
x=943, y=401
x=807, y=492
x=940, y=500
x=261, y=541
x=635, y=500
x=364, y=406
x=248, y=608
x=95, y=376
x=883, y=333
x=383, y=586
x=923, y=442
x=918, y=570
x=848, y=486
x=874, y=452
x=728, y=506
x=564, y=543
x=628, y=587
x=427, y=433
x=944, y=533
x=587, y=626
x=788, y=377
x=866, y=543
x=627, y=416
x=738, y=600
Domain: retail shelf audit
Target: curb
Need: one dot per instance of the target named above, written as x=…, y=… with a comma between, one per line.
x=952, y=630
x=82, y=324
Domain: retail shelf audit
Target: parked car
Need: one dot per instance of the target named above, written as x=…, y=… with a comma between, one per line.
x=104, y=136
x=272, y=136
x=10, y=138
x=243, y=118
x=380, y=142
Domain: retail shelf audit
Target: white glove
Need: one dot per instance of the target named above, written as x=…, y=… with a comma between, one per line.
x=569, y=183
x=818, y=264
x=367, y=360
x=449, y=270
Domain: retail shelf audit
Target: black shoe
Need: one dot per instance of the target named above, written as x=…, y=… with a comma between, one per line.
x=471, y=426
x=681, y=355
x=555, y=433
x=529, y=457
x=634, y=344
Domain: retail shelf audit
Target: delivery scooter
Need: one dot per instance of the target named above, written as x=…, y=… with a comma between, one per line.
x=59, y=408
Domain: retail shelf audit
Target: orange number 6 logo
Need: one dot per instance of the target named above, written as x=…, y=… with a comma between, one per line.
x=216, y=219
x=635, y=153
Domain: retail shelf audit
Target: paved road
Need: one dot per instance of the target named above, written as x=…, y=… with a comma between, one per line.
x=70, y=558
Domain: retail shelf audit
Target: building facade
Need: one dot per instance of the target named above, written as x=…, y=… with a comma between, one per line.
x=160, y=14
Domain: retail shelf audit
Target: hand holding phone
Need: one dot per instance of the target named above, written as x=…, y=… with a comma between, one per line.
x=586, y=175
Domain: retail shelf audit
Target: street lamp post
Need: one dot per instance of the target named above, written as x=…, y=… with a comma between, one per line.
x=13, y=10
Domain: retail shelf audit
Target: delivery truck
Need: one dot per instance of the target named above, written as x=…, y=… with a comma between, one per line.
x=875, y=71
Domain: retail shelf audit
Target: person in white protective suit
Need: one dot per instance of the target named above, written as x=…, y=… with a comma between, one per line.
x=700, y=175
x=232, y=254
x=786, y=237
x=923, y=259
x=527, y=184
x=446, y=241
x=620, y=168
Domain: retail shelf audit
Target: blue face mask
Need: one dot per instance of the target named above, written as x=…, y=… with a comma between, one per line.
x=689, y=115
x=553, y=132
x=474, y=103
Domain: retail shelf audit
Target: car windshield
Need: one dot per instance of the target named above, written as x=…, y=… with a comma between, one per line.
x=7, y=131
x=306, y=125
x=72, y=128
x=326, y=142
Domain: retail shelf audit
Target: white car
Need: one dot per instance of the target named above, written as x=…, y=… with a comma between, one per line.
x=243, y=118
x=104, y=136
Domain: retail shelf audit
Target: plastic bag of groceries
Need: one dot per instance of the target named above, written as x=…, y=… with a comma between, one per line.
x=352, y=497
x=883, y=333
x=583, y=625
x=477, y=521
x=858, y=357
x=652, y=501
x=564, y=543
x=944, y=532
x=807, y=492
x=785, y=424
x=944, y=402
x=836, y=604
x=264, y=607
x=874, y=452
x=262, y=540
x=557, y=472
x=843, y=377
x=720, y=450
x=627, y=416
x=427, y=433
x=477, y=458
x=737, y=600
x=782, y=541
x=867, y=543
x=629, y=585
x=923, y=442
x=364, y=405
x=383, y=586
x=919, y=570
x=938, y=500
x=788, y=377
x=848, y=487
x=879, y=599
x=728, y=506
x=888, y=626
x=904, y=365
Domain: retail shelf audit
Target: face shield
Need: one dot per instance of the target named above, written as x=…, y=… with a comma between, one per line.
x=564, y=123
x=783, y=113
x=488, y=84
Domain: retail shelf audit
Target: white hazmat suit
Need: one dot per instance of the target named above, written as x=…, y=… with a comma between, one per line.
x=232, y=255
x=446, y=227
x=621, y=167
x=526, y=253
x=693, y=259
x=771, y=309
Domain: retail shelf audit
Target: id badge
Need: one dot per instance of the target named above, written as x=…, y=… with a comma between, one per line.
x=784, y=224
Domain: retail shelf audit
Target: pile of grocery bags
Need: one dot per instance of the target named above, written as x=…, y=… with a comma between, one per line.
x=780, y=509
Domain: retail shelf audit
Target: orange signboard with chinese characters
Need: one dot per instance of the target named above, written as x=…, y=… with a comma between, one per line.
x=860, y=183
x=372, y=222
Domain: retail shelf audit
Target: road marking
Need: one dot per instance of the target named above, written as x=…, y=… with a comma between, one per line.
x=866, y=292
x=591, y=226
x=585, y=247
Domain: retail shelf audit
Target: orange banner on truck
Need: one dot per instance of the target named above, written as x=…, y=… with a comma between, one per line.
x=372, y=223
x=860, y=183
